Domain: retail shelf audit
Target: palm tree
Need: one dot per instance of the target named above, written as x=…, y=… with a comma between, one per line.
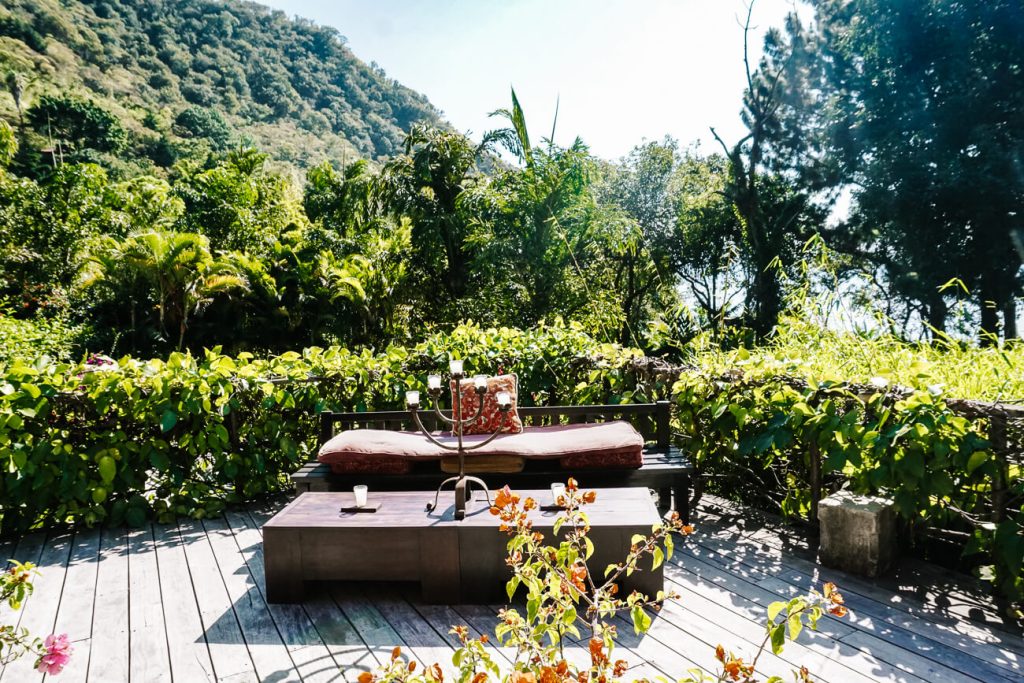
x=178, y=266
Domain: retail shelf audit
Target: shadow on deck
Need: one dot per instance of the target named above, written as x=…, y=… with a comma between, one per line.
x=185, y=602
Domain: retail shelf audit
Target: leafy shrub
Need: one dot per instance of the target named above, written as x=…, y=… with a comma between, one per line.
x=122, y=441
x=757, y=431
x=31, y=338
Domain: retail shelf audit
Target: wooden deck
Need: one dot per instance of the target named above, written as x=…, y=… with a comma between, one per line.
x=186, y=602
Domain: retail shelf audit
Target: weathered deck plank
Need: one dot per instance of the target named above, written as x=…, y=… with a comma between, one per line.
x=228, y=652
x=74, y=615
x=307, y=650
x=186, y=638
x=263, y=641
x=109, y=645
x=149, y=660
x=187, y=603
x=970, y=646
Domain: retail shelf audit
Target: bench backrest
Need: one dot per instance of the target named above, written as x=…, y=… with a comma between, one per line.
x=650, y=419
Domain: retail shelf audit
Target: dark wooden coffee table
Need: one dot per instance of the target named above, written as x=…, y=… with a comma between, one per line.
x=454, y=562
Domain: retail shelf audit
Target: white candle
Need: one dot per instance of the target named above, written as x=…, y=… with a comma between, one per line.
x=434, y=381
x=455, y=366
x=480, y=381
x=412, y=398
x=504, y=398
x=360, y=494
x=557, y=491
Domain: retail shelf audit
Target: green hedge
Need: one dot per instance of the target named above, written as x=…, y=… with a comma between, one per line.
x=755, y=432
x=136, y=439
x=184, y=436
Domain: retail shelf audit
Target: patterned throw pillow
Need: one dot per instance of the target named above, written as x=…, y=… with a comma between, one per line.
x=491, y=419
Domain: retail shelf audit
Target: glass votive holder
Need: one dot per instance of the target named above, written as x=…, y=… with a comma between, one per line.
x=360, y=492
x=557, y=492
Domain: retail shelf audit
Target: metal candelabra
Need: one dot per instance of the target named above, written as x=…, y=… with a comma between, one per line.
x=458, y=423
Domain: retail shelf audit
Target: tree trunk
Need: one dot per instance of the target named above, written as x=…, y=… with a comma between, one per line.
x=767, y=301
x=987, y=299
x=1010, y=318
x=937, y=312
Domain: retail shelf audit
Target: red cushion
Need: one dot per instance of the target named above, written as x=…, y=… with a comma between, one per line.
x=579, y=446
x=491, y=419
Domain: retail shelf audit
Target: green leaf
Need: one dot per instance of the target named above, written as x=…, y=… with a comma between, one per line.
x=774, y=609
x=977, y=459
x=99, y=494
x=168, y=421
x=795, y=626
x=108, y=469
x=778, y=635
x=135, y=516
x=511, y=586
x=659, y=558
x=641, y=620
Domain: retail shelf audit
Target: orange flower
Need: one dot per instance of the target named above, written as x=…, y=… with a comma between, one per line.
x=590, y=496
x=436, y=673
x=686, y=529
x=832, y=595
x=548, y=675
x=805, y=675
x=396, y=653
x=733, y=668
x=579, y=572
x=520, y=677
x=620, y=668
x=366, y=677
x=571, y=485
x=480, y=677
x=529, y=504
x=720, y=653
x=597, y=655
x=503, y=497
x=562, y=667
x=484, y=638
x=412, y=666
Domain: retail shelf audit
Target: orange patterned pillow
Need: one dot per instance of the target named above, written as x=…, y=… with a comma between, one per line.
x=491, y=418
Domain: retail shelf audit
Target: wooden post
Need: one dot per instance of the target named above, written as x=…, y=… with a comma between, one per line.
x=663, y=417
x=815, y=456
x=326, y=426
x=997, y=435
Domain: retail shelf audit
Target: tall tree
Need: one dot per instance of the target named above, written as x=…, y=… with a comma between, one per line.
x=542, y=222
x=915, y=105
x=771, y=210
x=642, y=243
x=426, y=184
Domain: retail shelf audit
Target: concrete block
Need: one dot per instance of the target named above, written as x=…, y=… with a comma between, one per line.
x=858, y=533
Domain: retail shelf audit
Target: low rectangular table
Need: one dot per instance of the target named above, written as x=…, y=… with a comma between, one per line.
x=454, y=562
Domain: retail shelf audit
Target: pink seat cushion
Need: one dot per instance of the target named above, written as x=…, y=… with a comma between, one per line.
x=580, y=446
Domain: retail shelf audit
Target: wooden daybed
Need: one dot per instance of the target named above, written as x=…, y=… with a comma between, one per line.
x=664, y=467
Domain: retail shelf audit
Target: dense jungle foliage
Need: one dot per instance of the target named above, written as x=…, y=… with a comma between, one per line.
x=217, y=187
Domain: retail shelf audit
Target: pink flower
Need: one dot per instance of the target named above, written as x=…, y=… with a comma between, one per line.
x=57, y=654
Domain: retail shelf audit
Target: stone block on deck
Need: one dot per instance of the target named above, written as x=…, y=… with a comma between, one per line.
x=858, y=533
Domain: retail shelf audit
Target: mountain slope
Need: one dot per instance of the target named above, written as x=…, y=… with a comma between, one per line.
x=289, y=86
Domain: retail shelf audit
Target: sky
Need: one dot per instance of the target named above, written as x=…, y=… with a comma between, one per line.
x=620, y=71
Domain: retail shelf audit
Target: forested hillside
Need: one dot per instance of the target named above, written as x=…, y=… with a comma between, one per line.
x=149, y=82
